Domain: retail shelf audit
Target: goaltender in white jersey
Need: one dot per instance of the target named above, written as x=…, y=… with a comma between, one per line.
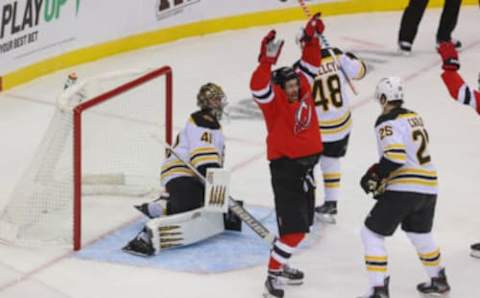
x=332, y=99
x=179, y=217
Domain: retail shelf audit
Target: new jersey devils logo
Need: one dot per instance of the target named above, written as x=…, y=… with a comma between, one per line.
x=303, y=116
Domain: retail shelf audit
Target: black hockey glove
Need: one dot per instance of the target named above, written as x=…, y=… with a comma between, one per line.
x=371, y=181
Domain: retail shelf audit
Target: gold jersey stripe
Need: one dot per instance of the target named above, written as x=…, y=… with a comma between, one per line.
x=177, y=171
x=394, y=146
x=204, y=150
x=328, y=131
x=376, y=259
x=203, y=159
x=334, y=121
x=427, y=173
x=413, y=181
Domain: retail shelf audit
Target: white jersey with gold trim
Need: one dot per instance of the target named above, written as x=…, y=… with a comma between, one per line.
x=331, y=96
x=201, y=142
x=403, y=139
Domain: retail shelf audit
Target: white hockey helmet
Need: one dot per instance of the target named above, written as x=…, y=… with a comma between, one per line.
x=391, y=88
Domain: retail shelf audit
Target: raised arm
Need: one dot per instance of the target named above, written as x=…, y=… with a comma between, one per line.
x=261, y=81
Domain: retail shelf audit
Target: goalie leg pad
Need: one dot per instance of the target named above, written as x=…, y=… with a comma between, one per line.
x=184, y=228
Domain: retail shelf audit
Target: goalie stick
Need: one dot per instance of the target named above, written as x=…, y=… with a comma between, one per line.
x=235, y=207
x=325, y=42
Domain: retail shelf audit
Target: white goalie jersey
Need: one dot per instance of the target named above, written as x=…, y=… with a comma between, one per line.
x=331, y=96
x=201, y=142
x=403, y=139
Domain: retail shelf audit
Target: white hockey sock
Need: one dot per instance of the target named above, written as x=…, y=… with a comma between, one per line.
x=428, y=252
x=331, y=177
x=376, y=258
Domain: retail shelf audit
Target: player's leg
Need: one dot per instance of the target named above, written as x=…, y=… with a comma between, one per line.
x=330, y=167
x=382, y=221
x=448, y=21
x=185, y=193
x=418, y=227
x=409, y=24
x=292, y=210
x=331, y=172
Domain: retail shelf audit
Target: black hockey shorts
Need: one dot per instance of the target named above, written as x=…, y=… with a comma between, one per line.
x=186, y=193
x=294, y=194
x=336, y=149
x=414, y=211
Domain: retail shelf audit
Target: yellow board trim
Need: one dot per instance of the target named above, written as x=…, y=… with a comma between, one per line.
x=142, y=40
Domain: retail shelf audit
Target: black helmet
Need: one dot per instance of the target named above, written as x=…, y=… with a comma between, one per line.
x=284, y=74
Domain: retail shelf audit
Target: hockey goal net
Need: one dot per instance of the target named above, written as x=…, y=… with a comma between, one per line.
x=104, y=140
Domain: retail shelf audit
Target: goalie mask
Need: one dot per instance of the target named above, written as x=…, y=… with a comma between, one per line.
x=390, y=89
x=212, y=98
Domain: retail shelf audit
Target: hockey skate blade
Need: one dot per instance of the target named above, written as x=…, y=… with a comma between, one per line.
x=435, y=295
x=294, y=282
x=326, y=218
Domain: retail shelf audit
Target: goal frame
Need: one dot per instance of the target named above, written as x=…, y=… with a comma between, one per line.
x=77, y=135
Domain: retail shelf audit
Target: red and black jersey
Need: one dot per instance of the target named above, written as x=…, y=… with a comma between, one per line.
x=293, y=129
x=460, y=91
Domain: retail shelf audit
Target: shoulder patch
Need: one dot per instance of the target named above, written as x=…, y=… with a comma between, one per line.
x=392, y=115
x=204, y=119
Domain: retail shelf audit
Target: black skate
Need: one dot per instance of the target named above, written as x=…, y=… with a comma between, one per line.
x=273, y=286
x=327, y=212
x=291, y=276
x=144, y=210
x=140, y=245
x=404, y=48
x=437, y=287
x=475, y=250
x=380, y=292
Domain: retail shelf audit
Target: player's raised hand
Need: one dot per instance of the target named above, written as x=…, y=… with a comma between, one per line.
x=314, y=26
x=270, y=49
x=449, y=56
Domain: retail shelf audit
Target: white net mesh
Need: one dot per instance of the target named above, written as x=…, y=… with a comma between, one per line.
x=121, y=157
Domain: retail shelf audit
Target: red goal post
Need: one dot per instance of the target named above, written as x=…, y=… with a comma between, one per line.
x=77, y=136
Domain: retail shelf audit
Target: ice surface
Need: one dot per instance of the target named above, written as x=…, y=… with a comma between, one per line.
x=334, y=264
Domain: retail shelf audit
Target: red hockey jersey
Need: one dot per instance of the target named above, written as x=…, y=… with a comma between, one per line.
x=293, y=129
x=460, y=91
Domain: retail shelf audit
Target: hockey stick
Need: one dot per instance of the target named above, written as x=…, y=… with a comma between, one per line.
x=325, y=42
x=236, y=208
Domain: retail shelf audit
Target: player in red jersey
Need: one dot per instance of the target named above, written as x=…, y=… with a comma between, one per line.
x=460, y=91
x=457, y=87
x=293, y=146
